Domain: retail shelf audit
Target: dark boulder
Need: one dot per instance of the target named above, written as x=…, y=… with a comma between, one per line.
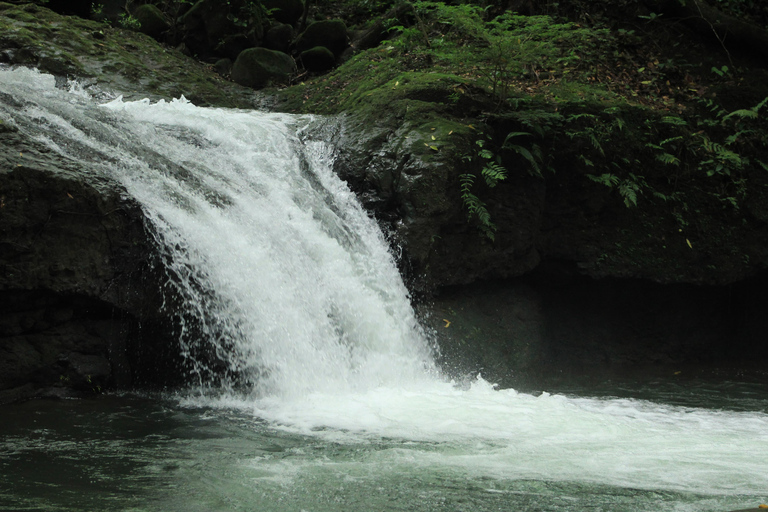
x=223, y=66
x=279, y=37
x=259, y=67
x=318, y=59
x=331, y=34
x=151, y=19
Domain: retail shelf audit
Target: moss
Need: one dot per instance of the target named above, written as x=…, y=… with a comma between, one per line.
x=120, y=60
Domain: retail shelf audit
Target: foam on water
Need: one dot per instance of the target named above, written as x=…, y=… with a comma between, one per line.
x=291, y=284
x=503, y=434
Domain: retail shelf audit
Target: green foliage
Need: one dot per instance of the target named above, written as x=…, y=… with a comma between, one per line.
x=476, y=207
x=712, y=145
x=128, y=21
x=499, y=51
x=722, y=144
x=629, y=188
x=491, y=167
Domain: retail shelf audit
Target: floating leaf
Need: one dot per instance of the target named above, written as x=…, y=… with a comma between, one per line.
x=447, y=323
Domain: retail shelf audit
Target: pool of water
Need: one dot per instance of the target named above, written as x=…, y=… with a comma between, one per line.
x=657, y=444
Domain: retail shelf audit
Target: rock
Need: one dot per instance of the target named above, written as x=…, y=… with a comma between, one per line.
x=231, y=46
x=75, y=289
x=279, y=37
x=318, y=59
x=152, y=20
x=223, y=66
x=258, y=67
x=331, y=34
x=285, y=11
x=374, y=34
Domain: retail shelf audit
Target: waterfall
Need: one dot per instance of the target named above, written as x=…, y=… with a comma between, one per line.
x=285, y=281
x=292, y=307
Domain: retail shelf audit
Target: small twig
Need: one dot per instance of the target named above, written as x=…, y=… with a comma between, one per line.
x=717, y=36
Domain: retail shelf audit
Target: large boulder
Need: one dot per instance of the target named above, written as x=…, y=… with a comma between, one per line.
x=151, y=19
x=259, y=67
x=279, y=37
x=331, y=34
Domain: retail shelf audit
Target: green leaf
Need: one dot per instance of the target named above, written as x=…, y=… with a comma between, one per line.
x=674, y=120
x=742, y=113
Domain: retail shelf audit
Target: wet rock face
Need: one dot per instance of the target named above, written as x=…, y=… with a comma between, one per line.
x=75, y=286
x=416, y=198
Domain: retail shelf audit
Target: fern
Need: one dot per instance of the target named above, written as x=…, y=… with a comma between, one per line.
x=607, y=179
x=494, y=173
x=476, y=207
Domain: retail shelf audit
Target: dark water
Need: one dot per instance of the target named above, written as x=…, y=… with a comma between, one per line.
x=149, y=453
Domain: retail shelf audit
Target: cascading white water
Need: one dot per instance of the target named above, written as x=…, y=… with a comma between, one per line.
x=286, y=278
x=282, y=273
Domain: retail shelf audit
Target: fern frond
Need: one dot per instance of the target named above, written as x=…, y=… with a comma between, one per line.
x=493, y=173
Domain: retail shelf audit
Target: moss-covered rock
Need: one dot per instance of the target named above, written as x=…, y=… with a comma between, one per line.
x=318, y=59
x=413, y=134
x=279, y=37
x=259, y=67
x=331, y=34
x=151, y=19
